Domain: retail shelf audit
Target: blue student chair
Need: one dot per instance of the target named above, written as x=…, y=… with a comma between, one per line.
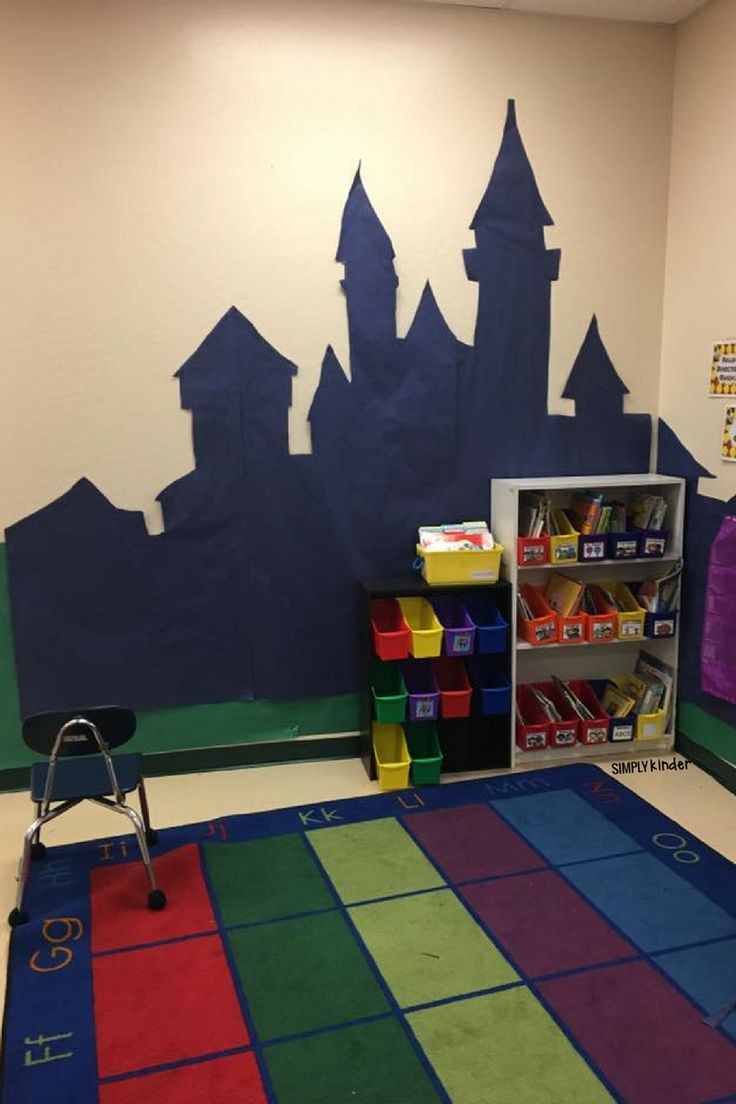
x=81, y=768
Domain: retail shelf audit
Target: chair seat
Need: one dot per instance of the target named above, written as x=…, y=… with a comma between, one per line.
x=84, y=776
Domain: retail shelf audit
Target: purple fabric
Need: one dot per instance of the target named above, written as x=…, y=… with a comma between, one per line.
x=718, y=653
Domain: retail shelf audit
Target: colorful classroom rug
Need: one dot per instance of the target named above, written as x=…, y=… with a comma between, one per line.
x=545, y=938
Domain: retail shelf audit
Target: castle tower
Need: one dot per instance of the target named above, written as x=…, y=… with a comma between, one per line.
x=594, y=384
x=514, y=271
x=370, y=284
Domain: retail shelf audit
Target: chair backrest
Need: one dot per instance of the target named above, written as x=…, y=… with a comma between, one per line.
x=115, y=725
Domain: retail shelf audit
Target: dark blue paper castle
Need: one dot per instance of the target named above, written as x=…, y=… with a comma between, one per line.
x=251, y=589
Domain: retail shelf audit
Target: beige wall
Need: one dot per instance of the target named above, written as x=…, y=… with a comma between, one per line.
x=162, y=160
x=700, y=298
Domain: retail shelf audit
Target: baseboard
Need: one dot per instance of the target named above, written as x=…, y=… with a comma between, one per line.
x=303, y=748
x=723, y=771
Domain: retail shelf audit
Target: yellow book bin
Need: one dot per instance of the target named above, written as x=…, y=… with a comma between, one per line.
x=426, y=630
x=630, y=615
x=481, y=566
x=392, y=756
x=563, y=546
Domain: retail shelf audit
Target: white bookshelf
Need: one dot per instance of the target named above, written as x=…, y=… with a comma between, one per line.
x=582, y=660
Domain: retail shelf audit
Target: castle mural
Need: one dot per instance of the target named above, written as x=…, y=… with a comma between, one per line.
x=250, y=590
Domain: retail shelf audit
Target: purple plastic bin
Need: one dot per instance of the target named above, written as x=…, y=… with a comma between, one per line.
x=424, y=697
x=459, y=636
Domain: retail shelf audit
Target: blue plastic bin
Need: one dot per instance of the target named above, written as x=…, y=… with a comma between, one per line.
x=491, y=631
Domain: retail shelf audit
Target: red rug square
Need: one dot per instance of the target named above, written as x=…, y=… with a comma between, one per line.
x=544, y=924
x=646, y=1038
x=164, y=1004
x=119, y=892
x=234, y=1080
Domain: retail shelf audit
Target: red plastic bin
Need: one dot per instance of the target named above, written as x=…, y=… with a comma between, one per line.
x=531, y=551
x=531, y=734
x=389, y=631
x=602, y=626
x=542, y=629
x=455, y=690
x=562, y=733
x=595, y=731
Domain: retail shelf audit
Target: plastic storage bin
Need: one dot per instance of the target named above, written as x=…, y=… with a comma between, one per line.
x=652, y=542
x=389, y=631
x=426, y=631
x=458, y=625
x=563, y=548
x=389, y=692
x=425, y=753
x=481, y=566
x=542, y=629
x=532, y=732
x=601, y=626
x=562, y=733
x=423, y=695
x=491, y=631
x=491, y=685
x=531, y=551
x=660, y=624
x=392, y=756
x=623, y=545
x=620, y=729
x=572, y=629
x=592, y=547
x=631, y=615
x=454, y=687
x=594, y=731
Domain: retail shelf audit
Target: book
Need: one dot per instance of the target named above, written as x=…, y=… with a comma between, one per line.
x=649, y=666
x=568, y=694
x=586, y=507
x=615, y=702
x=563, y=594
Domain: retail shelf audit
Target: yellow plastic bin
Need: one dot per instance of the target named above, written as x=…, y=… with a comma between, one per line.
x=482, y=566
x=426, y=630
x=392, y=756
x=630, y=615
x=563, y=547
x=650, y=726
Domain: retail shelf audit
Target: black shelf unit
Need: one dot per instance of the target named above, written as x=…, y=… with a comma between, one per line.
x=477, y=742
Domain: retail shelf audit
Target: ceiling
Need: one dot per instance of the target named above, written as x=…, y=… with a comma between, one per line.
x=640, y=11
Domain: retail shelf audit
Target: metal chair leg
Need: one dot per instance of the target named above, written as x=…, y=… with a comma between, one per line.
x=151, y=833
x=19, y=915
x=156, y=897
x=38, y=849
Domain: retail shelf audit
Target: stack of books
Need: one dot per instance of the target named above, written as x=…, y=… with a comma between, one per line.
x=647, y=690
x=661, y=594
x=648, y=511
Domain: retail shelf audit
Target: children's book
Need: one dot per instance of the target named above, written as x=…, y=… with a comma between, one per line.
x=563, y=594
x=615, y=702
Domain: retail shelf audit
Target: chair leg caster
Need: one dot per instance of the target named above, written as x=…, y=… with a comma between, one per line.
x=17, y=917
x=38, y=850
x=151, y=837
x=156, y=899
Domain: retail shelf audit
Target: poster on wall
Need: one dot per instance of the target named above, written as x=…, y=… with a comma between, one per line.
x=728, y=447
x=723, y=369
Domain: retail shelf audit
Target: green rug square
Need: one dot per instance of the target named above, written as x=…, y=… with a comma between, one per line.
x=304, y=973
x=374, y=859
x=266, y=878
x=504, y=1048
x=429, y=947
x=370, y=1064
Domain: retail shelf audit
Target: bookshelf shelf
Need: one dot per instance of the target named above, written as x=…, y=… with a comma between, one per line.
x=616, y=565
x=584, y=660
x=646, y=642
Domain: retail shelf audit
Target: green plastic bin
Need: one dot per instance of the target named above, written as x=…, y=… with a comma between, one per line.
x=425, y=753
x=389, y=692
